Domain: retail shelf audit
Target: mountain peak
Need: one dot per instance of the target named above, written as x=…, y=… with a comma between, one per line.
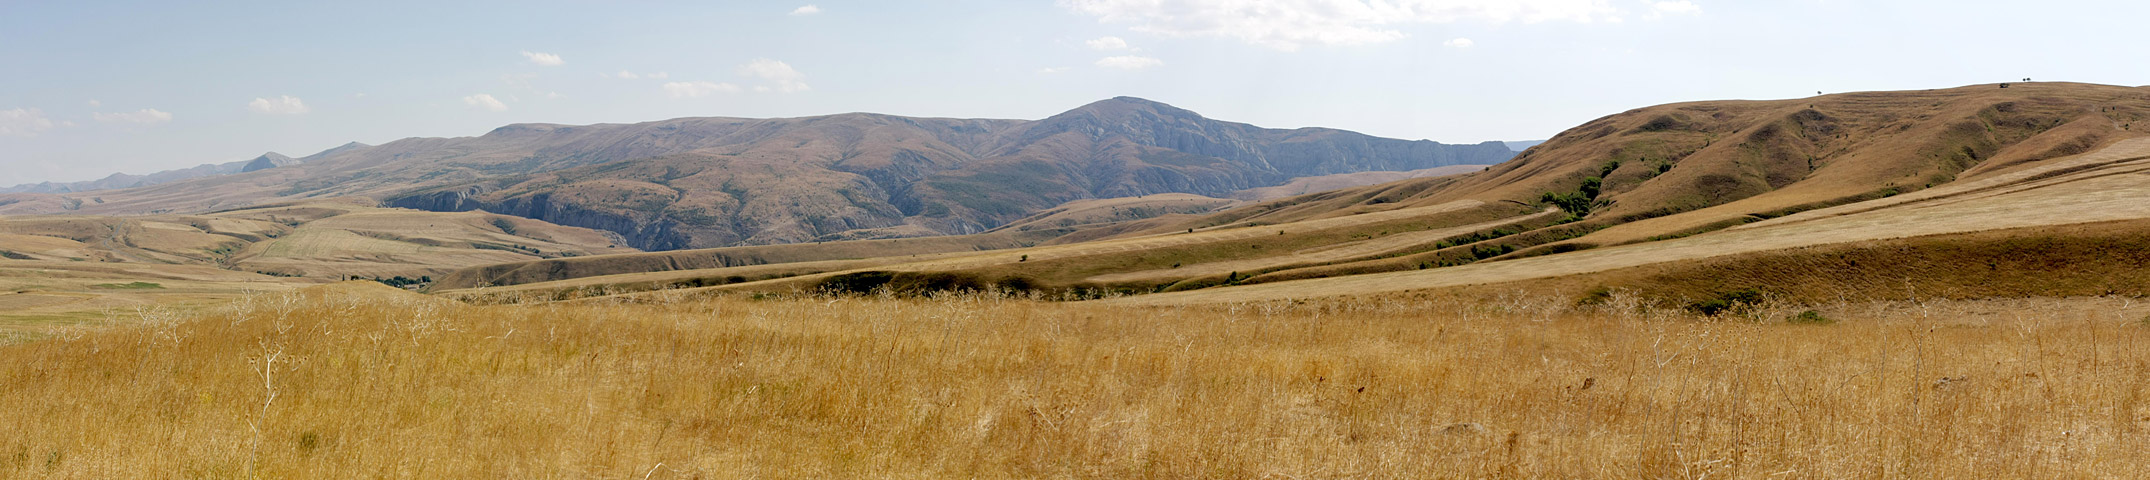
x=332, y=151
x=1125, y=103
x=266, y=161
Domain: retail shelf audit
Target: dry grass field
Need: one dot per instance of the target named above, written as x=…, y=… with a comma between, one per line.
x=359, y=380
x=2107, y=185
x=38, y=295
x=335, y=238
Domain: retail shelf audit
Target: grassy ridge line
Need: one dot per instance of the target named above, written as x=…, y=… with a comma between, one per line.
x=2087, y=196
x=363, y=381
x=2095, y=259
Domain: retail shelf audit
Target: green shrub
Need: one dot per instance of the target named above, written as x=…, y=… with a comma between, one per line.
x=1734, y=301
x=1811, y=317
x=861, y=283
x=1596, y=296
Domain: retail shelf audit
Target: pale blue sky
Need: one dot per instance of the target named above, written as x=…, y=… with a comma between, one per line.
x=91, y=88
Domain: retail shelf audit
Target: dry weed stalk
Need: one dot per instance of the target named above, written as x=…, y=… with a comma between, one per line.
x=997, y=385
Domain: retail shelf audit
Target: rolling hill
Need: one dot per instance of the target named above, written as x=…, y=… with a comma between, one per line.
x=1665, y=187
x=321, y=239
x=709, y=182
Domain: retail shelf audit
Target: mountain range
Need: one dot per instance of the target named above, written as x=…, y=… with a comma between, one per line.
x=1850, y=195
x=123, y=180
x=707, y=182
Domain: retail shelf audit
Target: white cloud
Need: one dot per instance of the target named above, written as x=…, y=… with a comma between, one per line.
x=543, y=59
x=787, y=79
x=1052, y=70
x=146, y=116
x=94, y=103
x=1289, y=24
x=1674, y=7
x=485, y=101
x=806, y=10
x=285, y=105
x=23, y=122
x=698, y=89
x=1129, y=62
x=627, y=75
x=1107, y=43
x=1459, y=43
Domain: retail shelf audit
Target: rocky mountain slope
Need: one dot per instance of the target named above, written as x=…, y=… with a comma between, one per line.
x=702, y=182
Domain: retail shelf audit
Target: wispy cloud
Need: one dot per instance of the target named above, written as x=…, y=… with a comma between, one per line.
x=698, y=89
x=1052, y=70
x=485, y=101
x=1459, y=43
x=146, y=116
x=784, y=78
x=1107, y=43
x=1129, y=62
x=627, y=75
x=543, y=59
x=284, y=105
x=806, y=10
x=23, y=122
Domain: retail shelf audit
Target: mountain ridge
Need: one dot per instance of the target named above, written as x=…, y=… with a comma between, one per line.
x=124, y=180
x=722, y=181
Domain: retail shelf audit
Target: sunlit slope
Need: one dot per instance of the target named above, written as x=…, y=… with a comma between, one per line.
x=39, y=295
x=1955, y=156
x=327, y=239
x=2107, y=185
x=1682, y=168
x=1187, y=258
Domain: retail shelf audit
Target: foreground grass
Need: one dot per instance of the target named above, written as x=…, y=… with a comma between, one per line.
x=361, y=382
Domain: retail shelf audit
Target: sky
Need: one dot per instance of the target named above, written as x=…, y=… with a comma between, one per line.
x=90, y=88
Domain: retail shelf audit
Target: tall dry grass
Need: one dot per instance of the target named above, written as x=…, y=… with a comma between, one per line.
x=360, y=383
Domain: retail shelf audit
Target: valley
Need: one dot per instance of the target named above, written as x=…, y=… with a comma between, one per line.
x=1858, y=284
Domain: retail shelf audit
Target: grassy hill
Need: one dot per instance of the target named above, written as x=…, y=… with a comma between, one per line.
x=719, y=182
x=1930, y=284
x=326, y=239
x=52, y=267
x=1654, y=186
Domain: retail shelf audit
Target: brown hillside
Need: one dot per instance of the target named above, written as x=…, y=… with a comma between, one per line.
x=321, y=239
x=2101, y=186
x=714, y=182
x=2039, y=155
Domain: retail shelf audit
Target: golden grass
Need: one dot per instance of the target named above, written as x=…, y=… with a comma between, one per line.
x=2103, y=187
x=363, y=381
x=35, y=295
